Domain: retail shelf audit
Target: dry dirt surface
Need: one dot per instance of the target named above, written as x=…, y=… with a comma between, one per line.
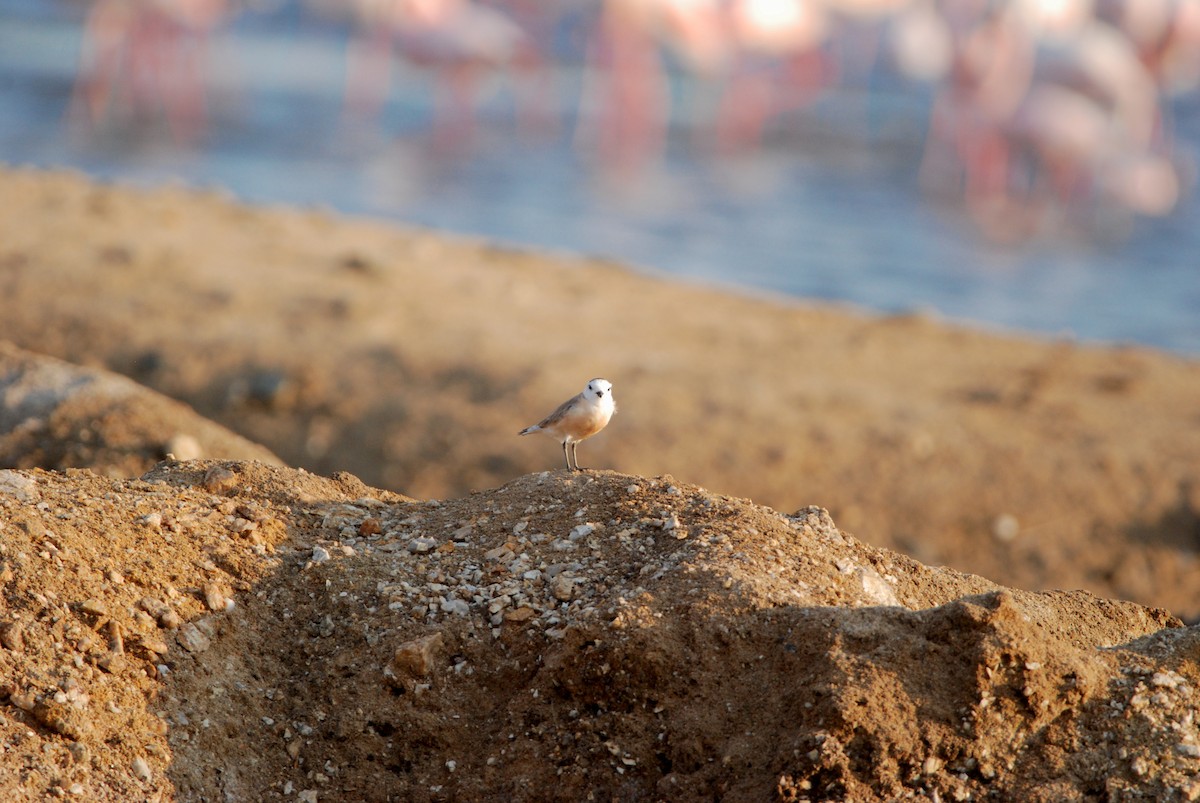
x=229, y=631
x=411, y=360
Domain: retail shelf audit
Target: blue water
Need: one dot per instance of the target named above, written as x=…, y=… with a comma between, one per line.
x=833, y=213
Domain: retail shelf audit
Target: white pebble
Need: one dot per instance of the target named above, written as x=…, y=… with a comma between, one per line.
x=1005, y=527
x=141, y=770
x=421, y=545
x=1167, y=680
x=456, y=606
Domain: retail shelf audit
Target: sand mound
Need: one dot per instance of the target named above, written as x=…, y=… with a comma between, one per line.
x=55, y=415
x=236, y=631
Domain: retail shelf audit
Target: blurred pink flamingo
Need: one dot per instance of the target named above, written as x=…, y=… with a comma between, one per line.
x=1048, y=103
x=777, y=65
x=141, y=57
x=461, y=42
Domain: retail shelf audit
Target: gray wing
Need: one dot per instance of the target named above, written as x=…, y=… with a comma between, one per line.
x=558, y=414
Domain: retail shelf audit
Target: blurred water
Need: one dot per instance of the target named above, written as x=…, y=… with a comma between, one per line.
x=833, y=214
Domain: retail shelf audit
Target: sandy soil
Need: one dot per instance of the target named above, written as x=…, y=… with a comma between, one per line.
x=240, y=631
x=229, y=631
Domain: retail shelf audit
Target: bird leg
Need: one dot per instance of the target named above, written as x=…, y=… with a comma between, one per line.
x=575, y=454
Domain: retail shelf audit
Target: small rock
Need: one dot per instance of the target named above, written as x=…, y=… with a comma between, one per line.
x=219, y=480
x=246, y=527
x=14, y=483
x=1005, y=527
x=116, y=639
x=12, y=636
x=93, y=607
x=307, y=796
x=1167, y=680
x=876, y=589
x=161, y=611
x=214, y=599
x=152, y=520
x=320, y=554
x=501, y=554
x=111, y=662
x=522, y=614
x=80, y=753
x=456, y=606
x=141, y=770
x=563, y=588
x=416, y=658
x=155, y=646
x=422, y=545
x=192, y=639
x=1189, y=750
x=370, y=527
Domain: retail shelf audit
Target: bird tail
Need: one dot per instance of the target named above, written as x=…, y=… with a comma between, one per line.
x=528, y=430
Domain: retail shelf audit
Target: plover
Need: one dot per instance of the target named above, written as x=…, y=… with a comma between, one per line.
x=578, y=418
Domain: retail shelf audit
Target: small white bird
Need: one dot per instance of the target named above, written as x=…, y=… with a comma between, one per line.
x=578, y=418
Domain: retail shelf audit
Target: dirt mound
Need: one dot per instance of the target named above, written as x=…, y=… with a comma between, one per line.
x=55, y=415
x=411, y=360
x=236, y=631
